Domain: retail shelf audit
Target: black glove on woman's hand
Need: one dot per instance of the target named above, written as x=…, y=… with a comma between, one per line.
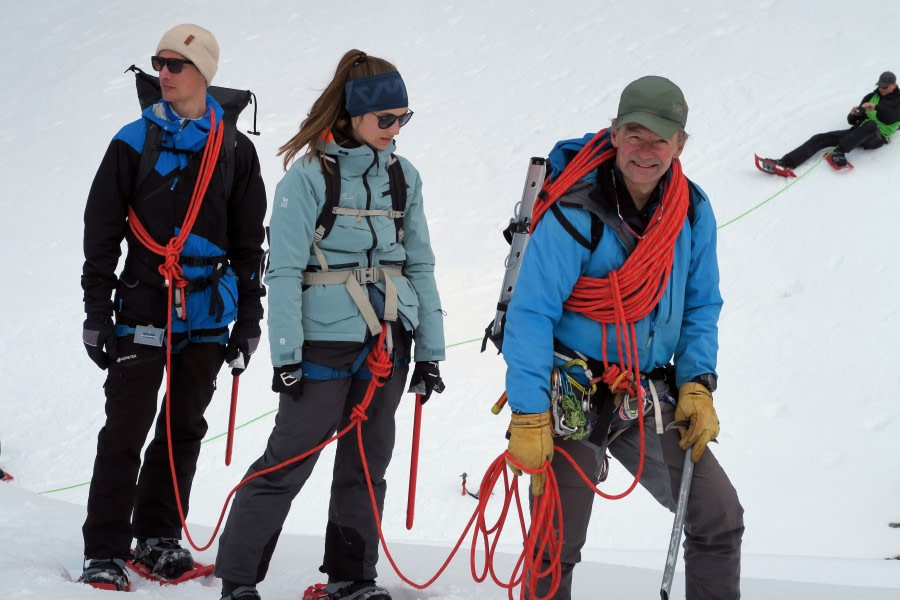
x=425, y=379
x=286, y=379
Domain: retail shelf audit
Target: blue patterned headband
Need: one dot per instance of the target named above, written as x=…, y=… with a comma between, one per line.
x=378, y=92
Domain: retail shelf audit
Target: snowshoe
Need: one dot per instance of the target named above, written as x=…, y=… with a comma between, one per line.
x=106, y=574
x=838, y=160
x=773, y=167
x=245, y=592
x=165, y=561
x=346, y=590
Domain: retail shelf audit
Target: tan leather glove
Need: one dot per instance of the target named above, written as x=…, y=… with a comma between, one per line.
x=531, y=444
x=696, y=404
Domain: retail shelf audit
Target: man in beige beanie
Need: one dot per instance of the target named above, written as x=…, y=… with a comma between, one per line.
x=131, y=499
x=187, y=58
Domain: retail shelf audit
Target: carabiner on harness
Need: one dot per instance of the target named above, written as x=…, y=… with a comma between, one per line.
x=570, y=402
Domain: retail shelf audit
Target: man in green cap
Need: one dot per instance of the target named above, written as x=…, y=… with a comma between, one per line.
x=616, y=310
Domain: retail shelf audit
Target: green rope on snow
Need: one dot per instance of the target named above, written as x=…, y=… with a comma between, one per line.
x=772, y=197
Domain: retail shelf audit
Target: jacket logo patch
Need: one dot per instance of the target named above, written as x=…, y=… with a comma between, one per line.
x=284, y=202
x=346, y=196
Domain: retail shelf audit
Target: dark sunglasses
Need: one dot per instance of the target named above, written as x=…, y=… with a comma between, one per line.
x=386, y=121
x=175, y=65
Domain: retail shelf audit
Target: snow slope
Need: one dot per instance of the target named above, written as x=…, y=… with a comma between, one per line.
x=810, y=427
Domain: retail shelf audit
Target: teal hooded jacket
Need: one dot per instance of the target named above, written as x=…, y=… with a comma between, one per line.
x=327, y=312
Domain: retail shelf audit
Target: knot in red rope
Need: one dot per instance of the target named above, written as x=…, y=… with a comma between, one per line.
x=379, y=361
x=170, y=268
x=358, y=414
x=618, y=379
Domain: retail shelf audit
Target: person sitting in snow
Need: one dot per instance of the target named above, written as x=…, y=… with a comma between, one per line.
x=872, y=123
x=220, y=261
x=578, y=268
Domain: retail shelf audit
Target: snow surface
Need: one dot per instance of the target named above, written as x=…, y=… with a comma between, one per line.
x=810, y=424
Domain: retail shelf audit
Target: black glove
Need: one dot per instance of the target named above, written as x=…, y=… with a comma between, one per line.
x=242, y=343
x=286, y=379
x=99, y=337
x=426, y=378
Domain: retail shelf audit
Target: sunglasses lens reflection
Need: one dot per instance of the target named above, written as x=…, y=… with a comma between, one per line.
x=387, y=121
x=175, y=65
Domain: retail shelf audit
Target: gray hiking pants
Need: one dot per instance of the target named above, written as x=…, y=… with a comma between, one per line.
x=714, y=521
x=304, y=421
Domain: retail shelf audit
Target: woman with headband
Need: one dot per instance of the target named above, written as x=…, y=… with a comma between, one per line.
x=350, y=263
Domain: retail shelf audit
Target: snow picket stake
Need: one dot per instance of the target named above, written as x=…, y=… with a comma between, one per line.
x=517, y=234
x=683, y=491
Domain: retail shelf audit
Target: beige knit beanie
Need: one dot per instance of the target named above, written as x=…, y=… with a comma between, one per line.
x=195, y=44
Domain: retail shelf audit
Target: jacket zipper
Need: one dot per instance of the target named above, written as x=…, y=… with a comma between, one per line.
x=371, y=253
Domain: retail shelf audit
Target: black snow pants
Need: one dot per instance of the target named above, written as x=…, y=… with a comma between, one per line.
x=304, y=421
x=866, y=136
x=714, y=522
x=128, y=499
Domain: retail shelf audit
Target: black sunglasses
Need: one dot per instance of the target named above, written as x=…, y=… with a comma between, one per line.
x=386, y=121
x=175, y=65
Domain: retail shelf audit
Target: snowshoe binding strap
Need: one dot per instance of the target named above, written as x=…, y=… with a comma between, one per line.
x=106, y=574
x=838, y=160
x=773, y=167
x=346, y=590
x=245, y=592
x=164, y=557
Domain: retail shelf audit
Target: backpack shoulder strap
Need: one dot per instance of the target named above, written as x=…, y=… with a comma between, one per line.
x=397, y=186
x=149, y=153
x=694, y=195
x=331, y=171
x=578, y=196
x=229, y=143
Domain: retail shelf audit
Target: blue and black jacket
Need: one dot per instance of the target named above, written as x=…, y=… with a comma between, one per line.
x=683, y=326
x=222, y=255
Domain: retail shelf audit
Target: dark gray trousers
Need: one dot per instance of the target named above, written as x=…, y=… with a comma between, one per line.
x=304, y=421
x=866, y=135
x=713, y=523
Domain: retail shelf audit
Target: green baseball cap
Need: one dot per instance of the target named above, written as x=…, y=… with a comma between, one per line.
x=654, y=102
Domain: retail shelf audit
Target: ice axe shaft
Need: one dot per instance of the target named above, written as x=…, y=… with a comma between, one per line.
x=414, y=464
x=683, y=492
x=230, y=439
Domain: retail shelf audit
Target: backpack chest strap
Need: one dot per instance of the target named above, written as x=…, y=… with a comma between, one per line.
x=353, y=280
x=359, y=214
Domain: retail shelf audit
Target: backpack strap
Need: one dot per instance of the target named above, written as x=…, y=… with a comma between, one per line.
x=331, y=171
x=578, y=196
x=149, y=153
x=397, y=186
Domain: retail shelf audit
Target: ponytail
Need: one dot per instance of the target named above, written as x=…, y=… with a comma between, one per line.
x=329, y=111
